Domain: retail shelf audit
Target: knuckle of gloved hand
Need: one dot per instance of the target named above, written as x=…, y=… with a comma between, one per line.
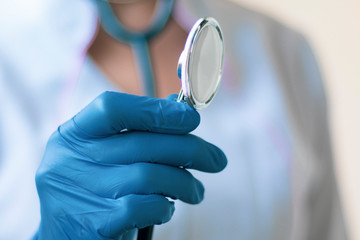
x=41, y=179
x=143, y=176
x=103, y=104
x=51, y=162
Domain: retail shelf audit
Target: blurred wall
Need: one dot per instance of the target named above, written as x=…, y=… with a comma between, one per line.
x=333, y=28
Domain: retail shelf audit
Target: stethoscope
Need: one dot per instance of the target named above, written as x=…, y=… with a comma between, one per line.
x=138, y=40
x=200, y=64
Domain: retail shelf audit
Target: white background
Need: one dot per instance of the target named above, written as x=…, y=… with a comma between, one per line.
x=333, y=28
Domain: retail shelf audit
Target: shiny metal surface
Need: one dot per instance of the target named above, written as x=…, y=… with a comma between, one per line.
x=185, y=64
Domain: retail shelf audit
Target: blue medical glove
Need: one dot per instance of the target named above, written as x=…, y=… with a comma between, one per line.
x=109, y=169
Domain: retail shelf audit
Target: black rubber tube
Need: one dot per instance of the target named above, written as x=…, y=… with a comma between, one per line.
x=145, y=233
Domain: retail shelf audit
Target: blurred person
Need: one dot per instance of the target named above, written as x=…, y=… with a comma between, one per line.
x=269, y=118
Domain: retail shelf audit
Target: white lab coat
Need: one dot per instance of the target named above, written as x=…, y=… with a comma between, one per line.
x=269, y=118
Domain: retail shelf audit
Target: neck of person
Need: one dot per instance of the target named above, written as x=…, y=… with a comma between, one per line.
x=135, y=15
x=116, y=58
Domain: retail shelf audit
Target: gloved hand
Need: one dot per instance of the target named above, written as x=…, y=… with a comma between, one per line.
x=109, y=169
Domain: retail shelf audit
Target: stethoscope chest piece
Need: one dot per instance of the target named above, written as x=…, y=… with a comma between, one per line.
x=200, y=63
